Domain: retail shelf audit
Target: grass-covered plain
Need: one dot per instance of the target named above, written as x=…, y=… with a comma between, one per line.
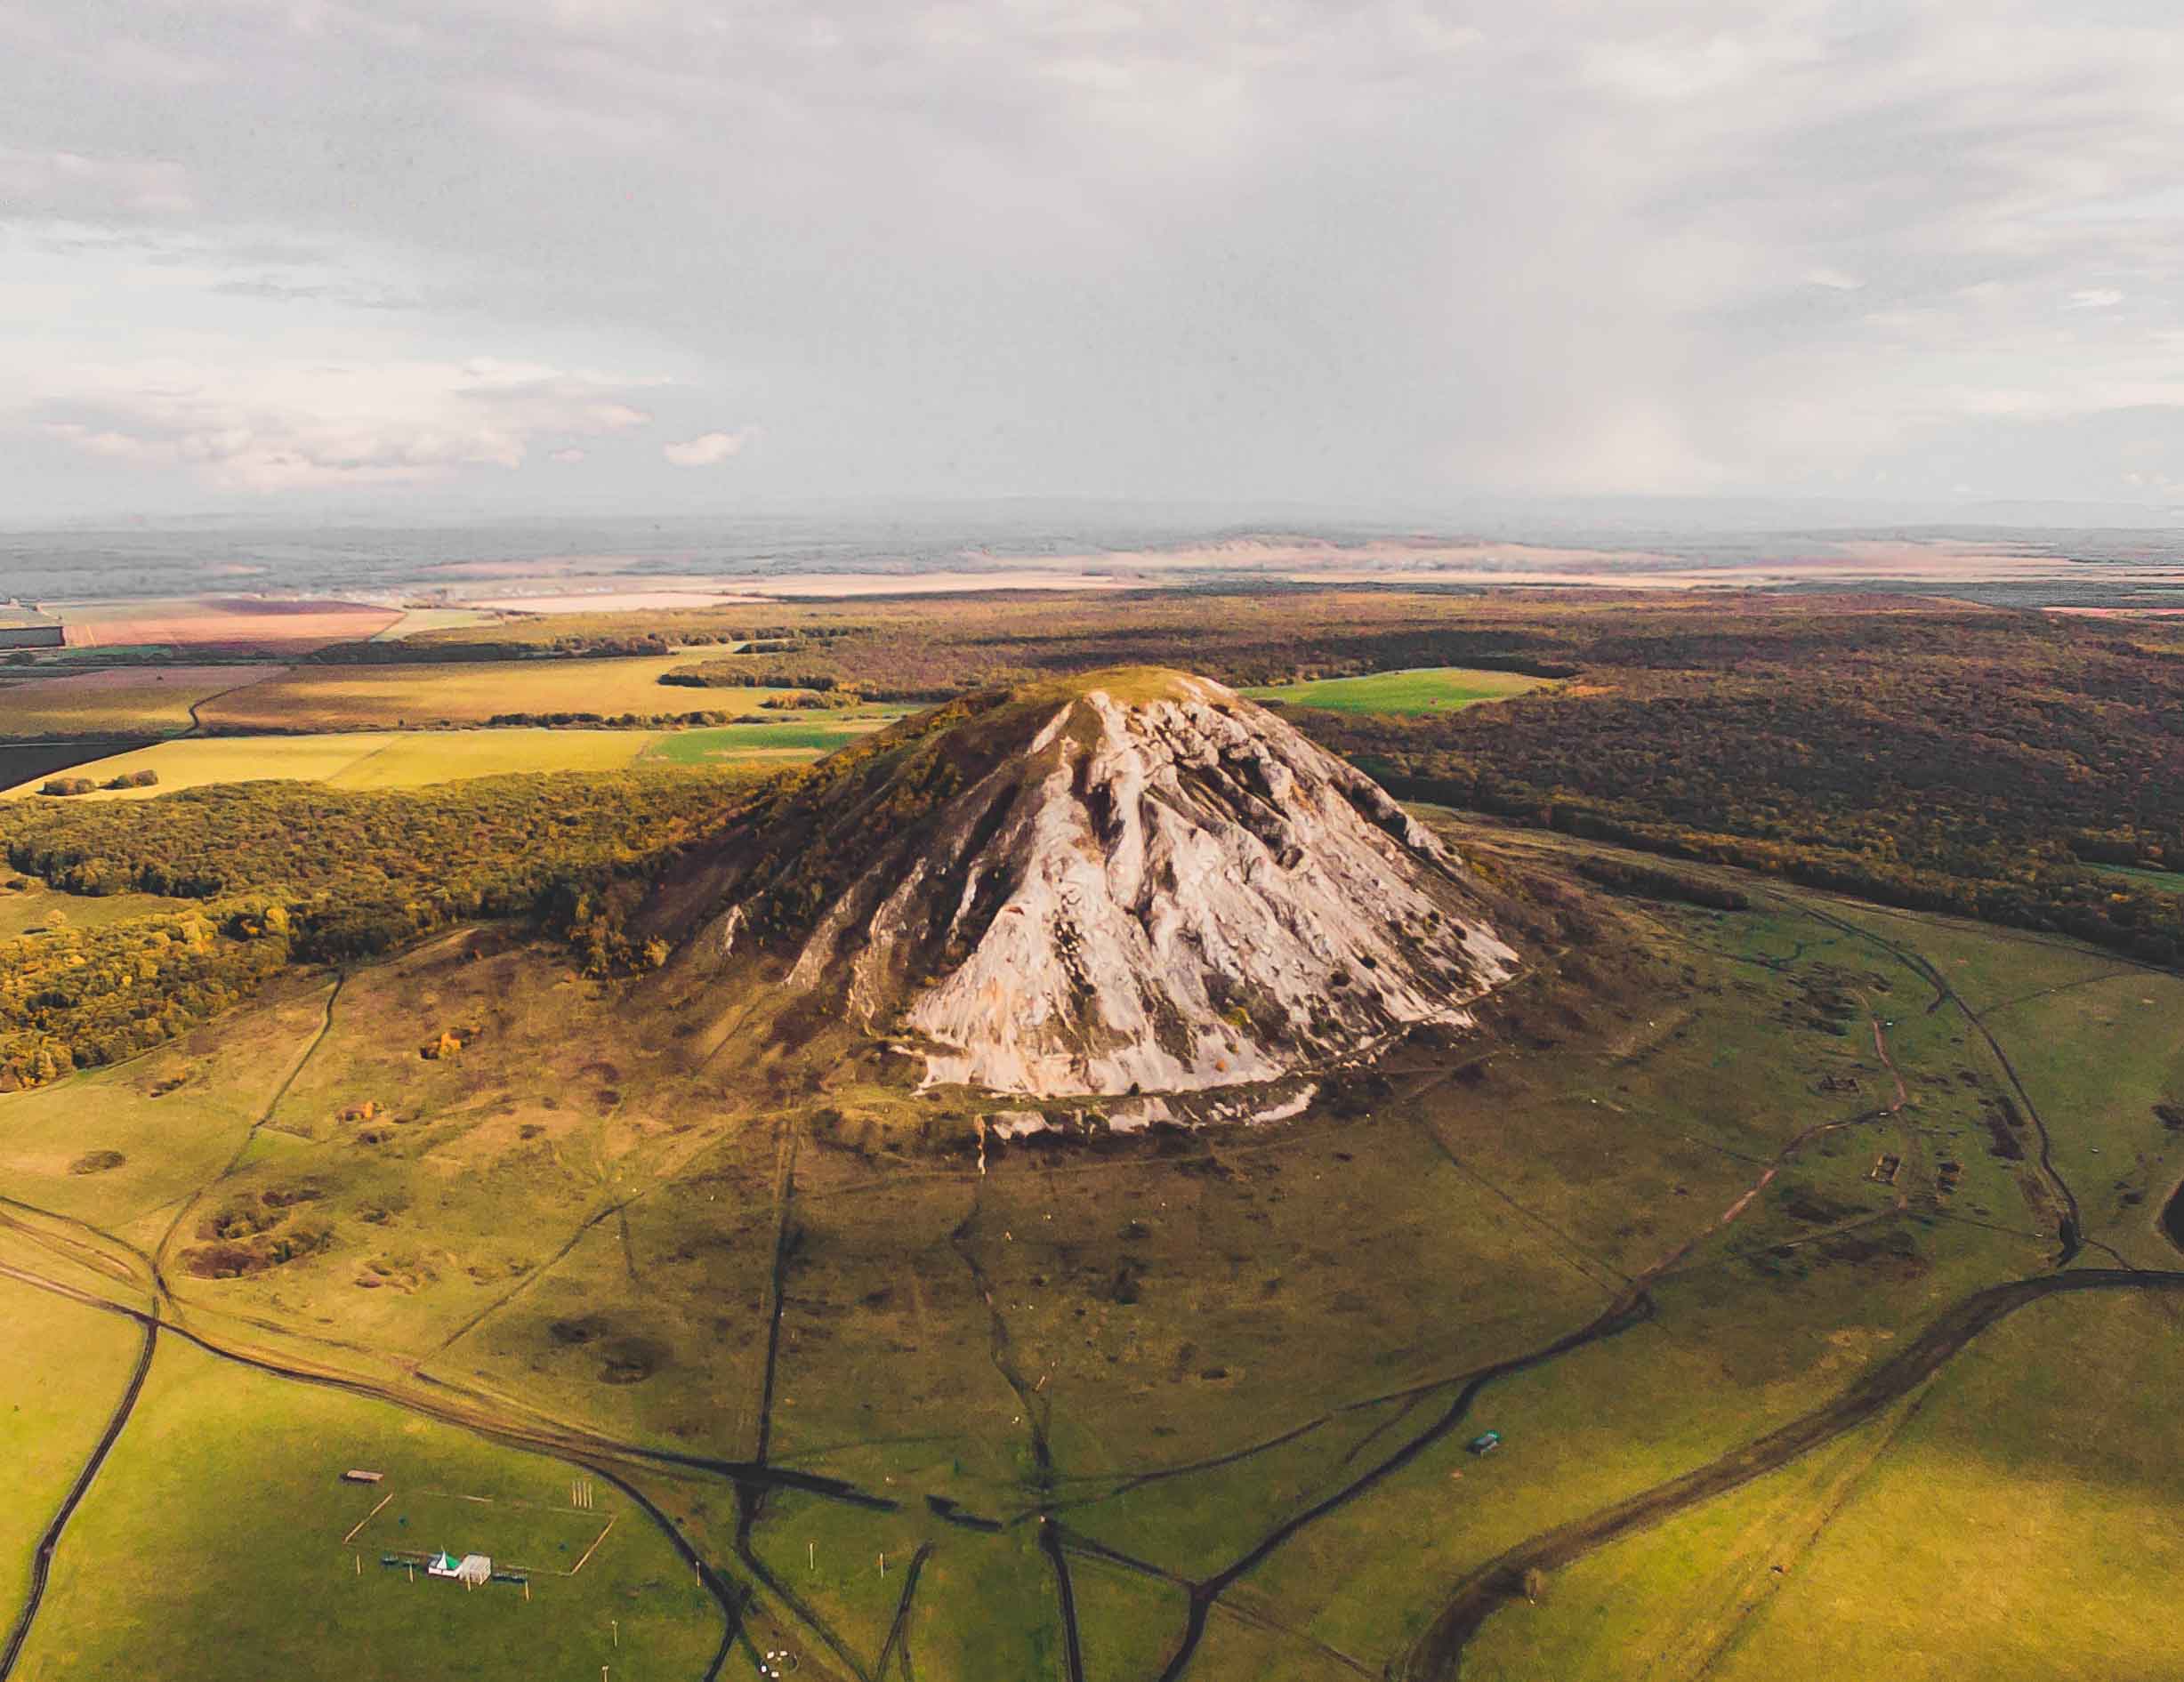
x=67, y=1367
x=662, y=1217
x=211, y=1548
x=1427, y=690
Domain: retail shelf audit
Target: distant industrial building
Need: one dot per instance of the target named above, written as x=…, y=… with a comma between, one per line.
x=28, y=628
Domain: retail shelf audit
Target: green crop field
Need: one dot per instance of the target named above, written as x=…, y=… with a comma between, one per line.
x=734, y=744
x=2169, y=881
x=1427, y=690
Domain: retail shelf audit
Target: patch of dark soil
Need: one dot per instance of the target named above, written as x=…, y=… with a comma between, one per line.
x=2001, y=1118
x=96, y=1161
x=574, y=1333
x=2170, y=1116
x=232, y=1260
x=1803, y=1202
x=237, y=1223
x=632, y=1361
x=289, y=1196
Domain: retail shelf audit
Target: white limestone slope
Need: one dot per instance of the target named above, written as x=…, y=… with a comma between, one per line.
x=1157, y=894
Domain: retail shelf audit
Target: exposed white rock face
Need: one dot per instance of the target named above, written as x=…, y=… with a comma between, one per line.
x=1165, y=891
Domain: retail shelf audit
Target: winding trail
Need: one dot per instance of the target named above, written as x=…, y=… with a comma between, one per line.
x=1437, y=1654
x=250, y=1137
x=42, y=1561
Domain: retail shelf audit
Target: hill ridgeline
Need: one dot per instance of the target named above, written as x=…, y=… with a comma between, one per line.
x=1131, y=882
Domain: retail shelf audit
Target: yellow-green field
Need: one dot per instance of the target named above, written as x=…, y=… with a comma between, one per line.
x=36, y=906
x=412, y=759
x=65, y=1367
x=317, y=697
x=125, y=700
x=211, y=1547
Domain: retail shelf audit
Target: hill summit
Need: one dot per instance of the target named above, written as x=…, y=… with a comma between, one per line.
x=1129, y=881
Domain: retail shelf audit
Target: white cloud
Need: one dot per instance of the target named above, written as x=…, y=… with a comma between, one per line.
x=2095, y=298
x=292, y=426
x=707, y=450
x=569, y=458
x=1834, y=280
x=70, y=186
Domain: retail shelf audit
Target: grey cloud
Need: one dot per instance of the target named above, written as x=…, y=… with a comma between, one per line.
x=1348, y=251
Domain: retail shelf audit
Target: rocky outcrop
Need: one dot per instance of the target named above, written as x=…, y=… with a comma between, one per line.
x=1136, y=882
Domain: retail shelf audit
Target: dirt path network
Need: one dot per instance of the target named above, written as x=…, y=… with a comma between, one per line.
x=42, y=1560
x=2070, y=1233
x=1437, y=1654
x=250, y=1137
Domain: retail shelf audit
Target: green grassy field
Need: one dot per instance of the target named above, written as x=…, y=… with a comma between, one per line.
x=649, y=1213
x=2169, y=881
x=1427, y=690
x=740, y=744
x=541, y=1532
x=211, y=1547
x=2005, y=1521
x=65, y=1368
x=34, y=907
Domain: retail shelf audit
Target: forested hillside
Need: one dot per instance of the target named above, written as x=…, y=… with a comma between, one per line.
x=300, y=874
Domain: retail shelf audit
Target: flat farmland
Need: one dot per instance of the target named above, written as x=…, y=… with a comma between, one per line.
x=738, y=743
x=398, y=696
x=1427, y=690
x=126, y=701
x=247, y=622
x=416, y=758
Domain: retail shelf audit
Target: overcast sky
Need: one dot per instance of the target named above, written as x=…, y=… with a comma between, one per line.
x=640, y=255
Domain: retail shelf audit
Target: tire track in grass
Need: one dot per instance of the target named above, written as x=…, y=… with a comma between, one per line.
x=250, y=1137
x=896, y=1630
x=1437, y=1656
x=42, y=1561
